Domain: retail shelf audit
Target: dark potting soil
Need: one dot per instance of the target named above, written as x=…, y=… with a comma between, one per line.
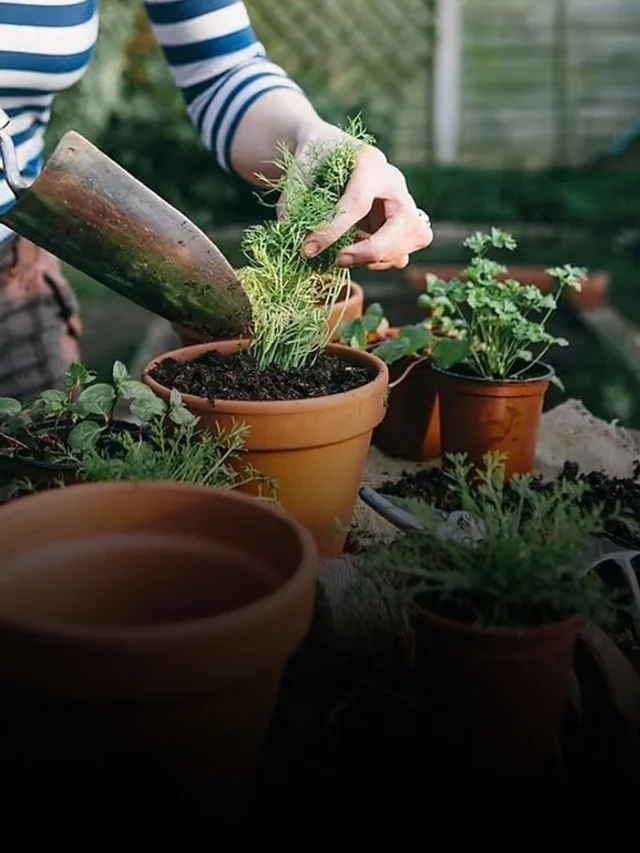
x=433, y=485
x=215, y=376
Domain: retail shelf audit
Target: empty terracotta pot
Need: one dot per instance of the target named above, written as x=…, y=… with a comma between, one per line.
x=496, y=697
x=315, y=449
x=411, y=426
x=153, y=617
x=343, y=311
x=594, y=292
x=478, y=416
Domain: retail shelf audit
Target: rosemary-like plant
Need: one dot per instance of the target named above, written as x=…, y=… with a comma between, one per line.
x=291, y=295
x=521, y=562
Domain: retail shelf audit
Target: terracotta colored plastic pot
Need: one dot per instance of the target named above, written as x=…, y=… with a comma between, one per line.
x=594, y=292
x=315, y=449
x=478, y=416
x=342, y=312
x=154, y=617
x=411, y=426
x=496, y=696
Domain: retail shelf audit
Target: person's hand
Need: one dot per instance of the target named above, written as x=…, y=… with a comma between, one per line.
x=377, y=201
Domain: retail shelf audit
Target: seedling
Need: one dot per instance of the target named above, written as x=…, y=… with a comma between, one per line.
x=526, y=569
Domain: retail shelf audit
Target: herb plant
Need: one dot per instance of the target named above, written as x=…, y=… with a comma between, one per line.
x=291, y=295
x=520, y=563
x=75, y=427
x=501, y=323
x=434, y=337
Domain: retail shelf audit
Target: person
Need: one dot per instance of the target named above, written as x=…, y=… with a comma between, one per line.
x=243, y=106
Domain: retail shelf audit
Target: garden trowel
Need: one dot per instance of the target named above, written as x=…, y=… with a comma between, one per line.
x=90, y=212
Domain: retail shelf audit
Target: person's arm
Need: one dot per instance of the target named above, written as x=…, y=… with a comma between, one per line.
x=241, y=103
x=244, y=105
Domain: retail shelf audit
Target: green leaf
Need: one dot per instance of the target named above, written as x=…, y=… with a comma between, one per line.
x=448, y=352
x=148, y=408
x=97, y=399
x=120, y=373
x=181, y=416
x=175, y=399
x=555, y=380
x=391, y=350
x=417, y=338
x=9, y=406
x=84, y=436
x=52, y=395
x=79, y=375
x=131, y=389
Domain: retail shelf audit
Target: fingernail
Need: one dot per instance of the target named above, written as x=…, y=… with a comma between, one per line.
x=345, y=260
x=311, y=249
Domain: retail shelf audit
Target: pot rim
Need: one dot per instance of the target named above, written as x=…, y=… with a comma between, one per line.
x=496, y=633
x=184, y=630
x=252, y=407
x=547, y=376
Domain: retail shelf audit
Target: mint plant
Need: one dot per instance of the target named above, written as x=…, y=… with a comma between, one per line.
x=75, y=427
x=80, y=414
x=501, y=323
x=519, y=563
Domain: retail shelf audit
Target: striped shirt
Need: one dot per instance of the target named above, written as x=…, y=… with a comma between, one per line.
x=214, y=55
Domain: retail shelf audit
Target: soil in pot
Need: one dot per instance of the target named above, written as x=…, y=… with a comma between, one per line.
x=142, y=617
x=310, y=429
x=479, y=415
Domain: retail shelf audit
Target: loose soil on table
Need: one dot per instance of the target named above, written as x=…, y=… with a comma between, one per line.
x=432, y=485
x=215, y=376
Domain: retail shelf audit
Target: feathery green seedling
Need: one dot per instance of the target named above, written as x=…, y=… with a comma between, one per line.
x=291, y=295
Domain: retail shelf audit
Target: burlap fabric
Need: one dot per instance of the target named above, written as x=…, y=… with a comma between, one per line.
x=355, y=622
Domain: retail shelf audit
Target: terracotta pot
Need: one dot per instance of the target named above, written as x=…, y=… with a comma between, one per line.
x=496, y=697
x=342, y=312
x=594, y=293
x=411, y=426
x=315, y=449
x=154, y=617
x=478, y=416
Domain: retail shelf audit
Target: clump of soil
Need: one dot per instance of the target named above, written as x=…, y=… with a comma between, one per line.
x=611, y=493
x=217, y=376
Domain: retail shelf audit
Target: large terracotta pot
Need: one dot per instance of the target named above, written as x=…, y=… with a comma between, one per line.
x=343, y=311
x=479, y=415
x=411, y=426
x=594, y=292
x=152, y=616
x=496, y=697
x=315, y=449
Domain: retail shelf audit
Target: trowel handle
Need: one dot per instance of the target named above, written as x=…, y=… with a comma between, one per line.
x=8, y=160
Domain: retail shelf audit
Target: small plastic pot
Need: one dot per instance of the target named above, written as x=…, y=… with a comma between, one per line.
x=479, y=415
x=154, y=618
x=496, y=696
x=411, y=426
x=342, y=312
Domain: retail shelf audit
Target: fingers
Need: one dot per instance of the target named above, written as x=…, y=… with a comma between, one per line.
x=398, y=263
x=363, y=188
x=404, y=232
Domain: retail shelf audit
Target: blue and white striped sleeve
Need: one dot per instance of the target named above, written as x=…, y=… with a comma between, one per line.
x=218, y=63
